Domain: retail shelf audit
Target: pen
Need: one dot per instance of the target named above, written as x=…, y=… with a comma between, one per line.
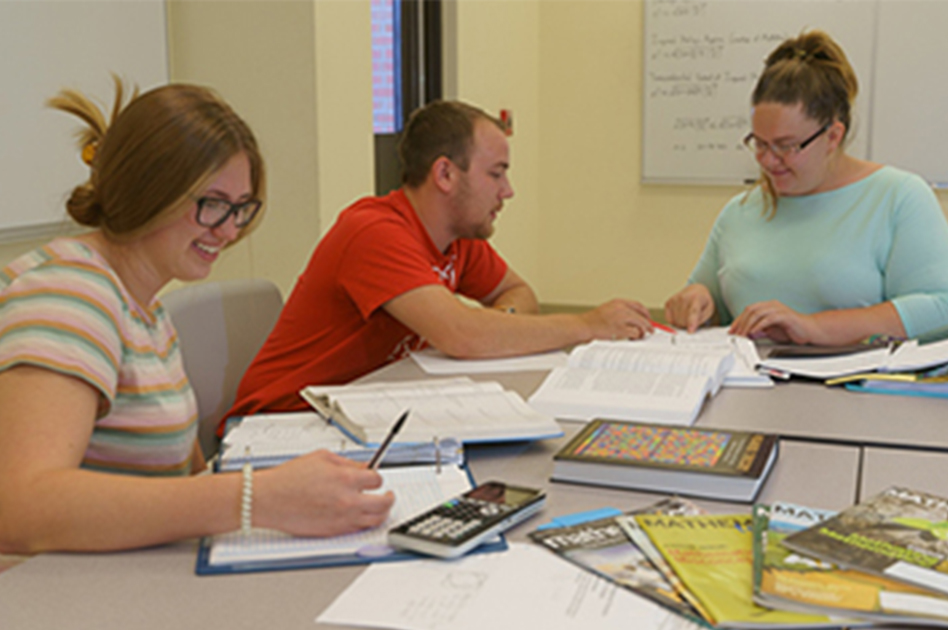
x=383, y=447
x=667, y=329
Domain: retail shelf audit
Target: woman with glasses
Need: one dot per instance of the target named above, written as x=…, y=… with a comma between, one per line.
x=826, y=249
x=98, y=423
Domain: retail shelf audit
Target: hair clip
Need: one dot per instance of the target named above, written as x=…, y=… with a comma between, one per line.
x=88, y=152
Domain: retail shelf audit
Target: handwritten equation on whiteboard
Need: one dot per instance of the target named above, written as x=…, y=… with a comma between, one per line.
x=702, y=59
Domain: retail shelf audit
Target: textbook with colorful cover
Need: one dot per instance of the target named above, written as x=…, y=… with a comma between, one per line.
x=899, y=533
x=717, y=464
x=601, y=546
x=713, y=557
x=633, y=381
x=792, y=581
x=457, y=407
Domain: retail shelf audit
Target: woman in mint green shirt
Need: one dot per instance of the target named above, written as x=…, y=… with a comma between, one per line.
x=827, y=249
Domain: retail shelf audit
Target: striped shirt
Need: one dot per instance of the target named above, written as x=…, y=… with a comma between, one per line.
x=63, y=308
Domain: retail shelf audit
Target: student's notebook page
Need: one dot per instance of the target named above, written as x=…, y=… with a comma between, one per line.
x=416, y=489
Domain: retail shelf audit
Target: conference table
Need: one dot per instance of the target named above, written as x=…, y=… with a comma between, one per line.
x=836, y=447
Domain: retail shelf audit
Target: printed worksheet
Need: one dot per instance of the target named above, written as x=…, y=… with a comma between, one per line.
x=523, y=587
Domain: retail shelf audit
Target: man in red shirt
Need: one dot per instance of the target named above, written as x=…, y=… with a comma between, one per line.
x=382, y=282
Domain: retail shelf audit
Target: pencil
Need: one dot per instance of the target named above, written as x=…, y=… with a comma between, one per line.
x=383, y=447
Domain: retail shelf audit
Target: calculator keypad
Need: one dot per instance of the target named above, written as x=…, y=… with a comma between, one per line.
x=455, y=519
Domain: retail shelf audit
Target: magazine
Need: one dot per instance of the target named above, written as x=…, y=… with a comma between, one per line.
x=600, y=546
x=789, y=580
x=713, y=557
x=899, y=533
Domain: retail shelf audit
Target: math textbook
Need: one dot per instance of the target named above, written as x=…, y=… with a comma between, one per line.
x=792, y=581
x=899, y=533
x=713, y=556
x=716, y=464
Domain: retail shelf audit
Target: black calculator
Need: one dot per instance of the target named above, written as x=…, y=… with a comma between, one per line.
x=456, y=526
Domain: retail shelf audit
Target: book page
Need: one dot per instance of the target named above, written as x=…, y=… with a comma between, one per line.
x=584, y=394
x=283, y=434
x=416, y=489
x=746, y=358
x=629, y=356
x=483, y=414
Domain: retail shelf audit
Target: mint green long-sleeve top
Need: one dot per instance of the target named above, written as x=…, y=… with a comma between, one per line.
x=882, y=238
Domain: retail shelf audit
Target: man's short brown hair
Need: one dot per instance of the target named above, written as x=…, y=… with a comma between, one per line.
x=440, y=128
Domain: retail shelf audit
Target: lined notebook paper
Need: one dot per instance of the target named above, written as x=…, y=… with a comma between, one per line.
x=416, y=489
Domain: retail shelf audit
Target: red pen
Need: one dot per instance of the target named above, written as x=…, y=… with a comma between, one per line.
x=667, y=329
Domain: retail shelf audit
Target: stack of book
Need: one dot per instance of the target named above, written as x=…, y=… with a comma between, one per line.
x=884, y=561
x=715, y=464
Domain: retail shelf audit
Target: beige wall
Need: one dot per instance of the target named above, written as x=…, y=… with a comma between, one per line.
x=581, y=227
x=497, y=55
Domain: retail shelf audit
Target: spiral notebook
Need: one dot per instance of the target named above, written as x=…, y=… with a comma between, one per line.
x=416, y=489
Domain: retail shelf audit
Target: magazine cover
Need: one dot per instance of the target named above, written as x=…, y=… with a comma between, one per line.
x=713, y=556
x=789, y=580
x=641, y=540
x=601, y=546
x=899, y=533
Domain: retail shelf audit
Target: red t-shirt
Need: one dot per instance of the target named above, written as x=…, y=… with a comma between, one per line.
x=332, y=329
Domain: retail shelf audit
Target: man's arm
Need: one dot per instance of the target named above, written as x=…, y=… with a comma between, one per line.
x=460, y=331
x=513, y=295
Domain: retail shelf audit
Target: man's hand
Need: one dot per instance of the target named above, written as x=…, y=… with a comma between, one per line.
x=619, y=319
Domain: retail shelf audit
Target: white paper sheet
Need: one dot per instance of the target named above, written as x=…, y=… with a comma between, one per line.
x=434, y=362
x=523, y=587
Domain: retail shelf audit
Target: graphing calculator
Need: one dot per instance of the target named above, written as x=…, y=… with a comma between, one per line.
x=458, y=525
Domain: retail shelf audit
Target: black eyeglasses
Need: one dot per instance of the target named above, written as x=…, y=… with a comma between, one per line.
x=758, y=146
x=213, y=212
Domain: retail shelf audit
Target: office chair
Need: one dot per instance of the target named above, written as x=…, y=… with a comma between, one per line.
x=221, y=327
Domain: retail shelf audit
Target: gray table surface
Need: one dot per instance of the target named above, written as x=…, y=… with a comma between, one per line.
x=157, y=588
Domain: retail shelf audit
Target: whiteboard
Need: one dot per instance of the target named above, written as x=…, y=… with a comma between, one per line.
x=48, y=45
x=702, y=59
x=910, y=104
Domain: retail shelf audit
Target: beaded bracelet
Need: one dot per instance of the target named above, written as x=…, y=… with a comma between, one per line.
x=246, y=498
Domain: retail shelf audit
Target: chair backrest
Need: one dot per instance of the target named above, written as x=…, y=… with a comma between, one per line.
x=221, y=327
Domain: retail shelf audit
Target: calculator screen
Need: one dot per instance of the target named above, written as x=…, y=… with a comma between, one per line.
x=497, y=492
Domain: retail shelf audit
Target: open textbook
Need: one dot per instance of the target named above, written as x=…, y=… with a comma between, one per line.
x=628, y=380
x=458, y=407
x=746, y=358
